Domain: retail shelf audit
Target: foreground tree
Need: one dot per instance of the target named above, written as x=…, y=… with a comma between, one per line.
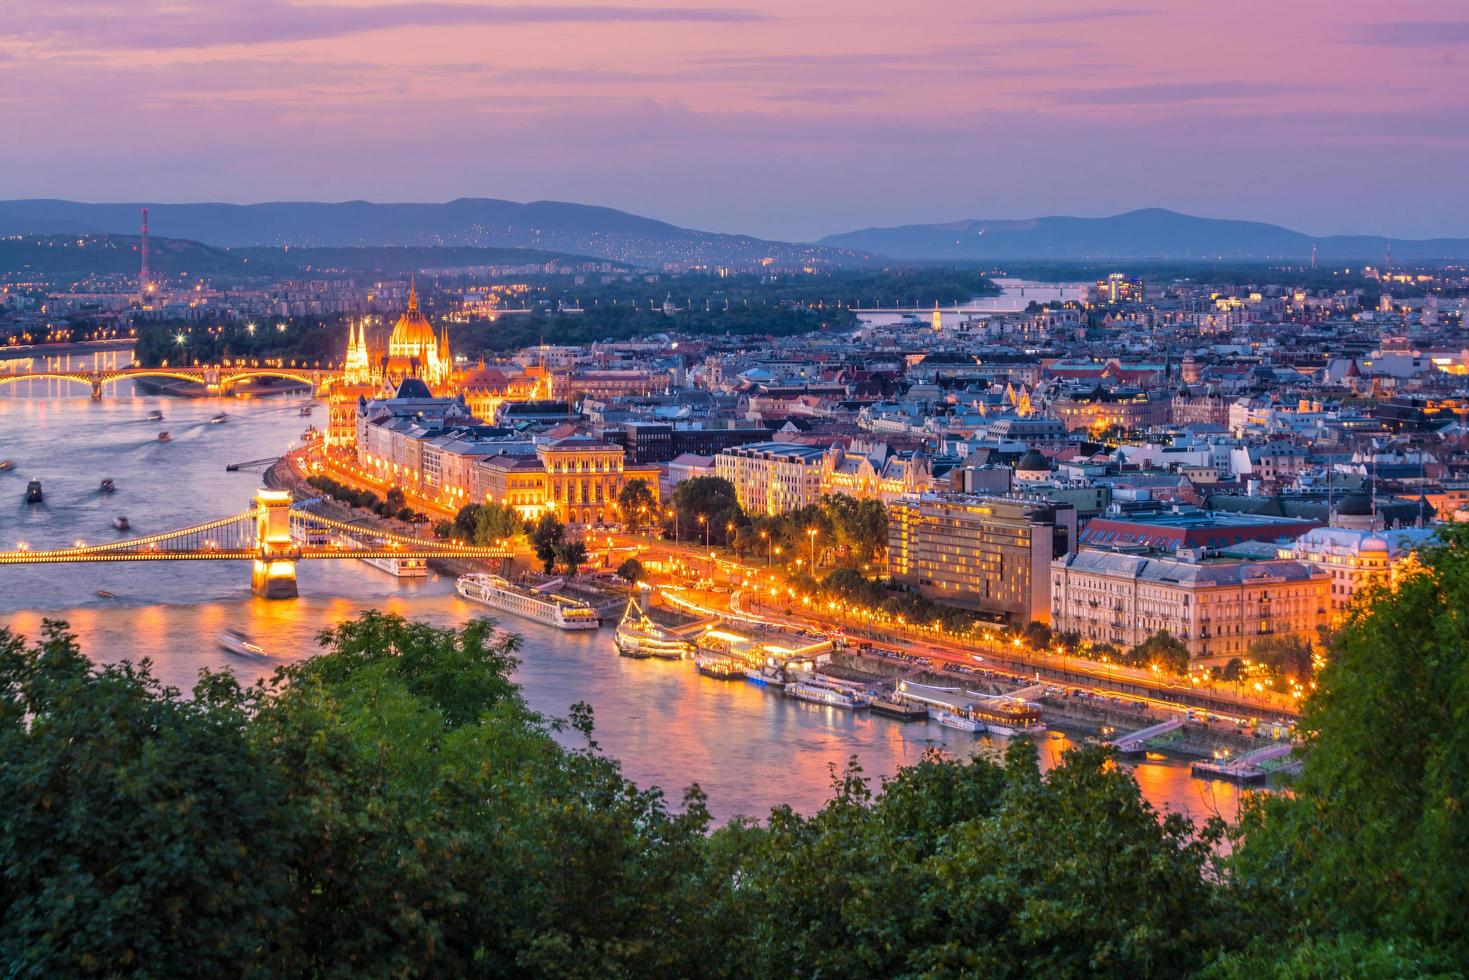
x=1373, y=839
x=636, y=504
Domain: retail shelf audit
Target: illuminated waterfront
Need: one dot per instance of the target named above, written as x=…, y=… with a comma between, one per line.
x=749, y=748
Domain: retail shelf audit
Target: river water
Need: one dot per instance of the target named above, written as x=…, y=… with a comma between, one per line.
x=749, y=748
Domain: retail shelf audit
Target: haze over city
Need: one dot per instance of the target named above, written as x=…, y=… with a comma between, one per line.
x=780, y=120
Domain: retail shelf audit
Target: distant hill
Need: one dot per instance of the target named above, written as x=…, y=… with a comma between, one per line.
x=403, y=259
x=76, y=256
x=1153, y=233
x=481, y=222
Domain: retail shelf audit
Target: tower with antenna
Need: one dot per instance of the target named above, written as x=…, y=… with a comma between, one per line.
x=145, y=278
x=1313, y=255
x=1387, y=265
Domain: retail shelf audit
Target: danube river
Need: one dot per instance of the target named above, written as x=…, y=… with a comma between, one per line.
x=749, y=749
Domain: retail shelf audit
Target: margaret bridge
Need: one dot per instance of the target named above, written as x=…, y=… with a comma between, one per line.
x=215, y=379
x=273, y=535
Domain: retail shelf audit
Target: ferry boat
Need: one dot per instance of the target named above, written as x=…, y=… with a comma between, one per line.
x=121, y=523
x=543, y=607
x=217, y=419
x=400, y=567
x=638, y=637
x=817, y=692
x=164, y=437
x=155, y=416
x=34, y=495
x=6, y=464
x=107, y=486
x=236, y=642
x=719, y=666
x=961, y=718
x=310, y=434
x=898, y=709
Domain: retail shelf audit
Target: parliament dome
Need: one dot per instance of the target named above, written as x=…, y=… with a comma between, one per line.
x=412, y=335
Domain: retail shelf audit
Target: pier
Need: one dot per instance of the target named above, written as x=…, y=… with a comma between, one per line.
x=1253, y=767
x=1140, y=740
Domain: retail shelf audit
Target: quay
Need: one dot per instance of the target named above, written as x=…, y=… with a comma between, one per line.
x=1252, y=767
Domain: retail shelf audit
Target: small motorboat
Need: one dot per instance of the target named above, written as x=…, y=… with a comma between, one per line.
x=104, y=594
x=121, y=523
x=6, y=464
x=108, y=486
x=217, y=419
x=155, y=416
x=305, y=410
x=164, y=437
x=33, y=492
x=236, y=642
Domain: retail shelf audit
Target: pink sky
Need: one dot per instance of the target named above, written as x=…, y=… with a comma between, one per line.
x=782, y=119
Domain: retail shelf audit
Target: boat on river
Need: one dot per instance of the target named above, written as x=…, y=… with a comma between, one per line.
x=155, y=416
x=164, y=437
x=236, y=642
x=121, y=523
x=817, y=691
x=6, y=464
x=719, y=666
x=639, y=637
x=107, y=486
x=218, y=419
x=543, y=607
x=34, y=494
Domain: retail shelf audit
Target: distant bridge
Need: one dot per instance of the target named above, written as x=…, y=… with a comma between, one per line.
x=273, y=535
x=215, y=379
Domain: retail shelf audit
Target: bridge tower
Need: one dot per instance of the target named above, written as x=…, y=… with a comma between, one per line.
x=274, y=572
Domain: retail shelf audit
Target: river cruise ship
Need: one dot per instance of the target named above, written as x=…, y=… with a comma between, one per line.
x=543, y=607
x=817, y=692
x=719, y=666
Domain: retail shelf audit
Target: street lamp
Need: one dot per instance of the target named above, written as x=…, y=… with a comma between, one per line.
x=766, y=536
x=704, y=520
x=811, y=533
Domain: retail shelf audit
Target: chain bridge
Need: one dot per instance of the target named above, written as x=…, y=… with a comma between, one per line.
x=273, y=535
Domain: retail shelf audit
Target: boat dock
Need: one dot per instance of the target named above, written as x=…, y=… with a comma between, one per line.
x=1252, y=767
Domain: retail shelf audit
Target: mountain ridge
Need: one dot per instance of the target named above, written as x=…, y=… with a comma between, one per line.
x=1145, y=233
x=559, y=226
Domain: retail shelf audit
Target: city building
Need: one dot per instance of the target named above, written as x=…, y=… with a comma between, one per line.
x=1355, y=559
x=773, y=477
x=991, y=554
x=1218, y=609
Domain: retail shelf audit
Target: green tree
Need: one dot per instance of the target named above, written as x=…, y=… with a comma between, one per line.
x=631, y=570
x=1284, y=656
x=1163, y=649
x=572, y=555
x=546, y=539
x=465, y=522
x=497, y=522
x=637, y=504
x=443, y=529
x=394, y=499
x=1374, y=836
x=711, y=498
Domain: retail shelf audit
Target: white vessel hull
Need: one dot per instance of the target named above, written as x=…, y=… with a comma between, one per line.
x=816, y=694
x=399, y=567
x=497, y=594
x=950, y=719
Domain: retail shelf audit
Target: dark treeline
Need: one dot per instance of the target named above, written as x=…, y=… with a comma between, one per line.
x=392, y=808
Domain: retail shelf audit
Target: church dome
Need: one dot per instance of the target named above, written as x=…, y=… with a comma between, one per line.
x=1355, y=505
x=1034, y=464
x=1372, y=543
x=412, y=334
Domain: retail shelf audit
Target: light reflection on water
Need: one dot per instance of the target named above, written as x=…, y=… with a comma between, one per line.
x=749, y=748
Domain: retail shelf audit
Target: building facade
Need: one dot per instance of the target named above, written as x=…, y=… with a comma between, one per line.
x=1216, y=609
x=992, y=554
x=773, y=477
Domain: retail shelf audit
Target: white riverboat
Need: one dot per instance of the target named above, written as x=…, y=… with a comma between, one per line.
x=958, y=718
x=543, y=607
x=401, y=567
x=817, y=692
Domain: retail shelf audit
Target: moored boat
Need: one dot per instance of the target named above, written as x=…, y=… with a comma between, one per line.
x=638, y=637
x=820, y=692
x=719, y=666
x=543, y=607
x=962, y=719
x=155, y=416
x=901, y=710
